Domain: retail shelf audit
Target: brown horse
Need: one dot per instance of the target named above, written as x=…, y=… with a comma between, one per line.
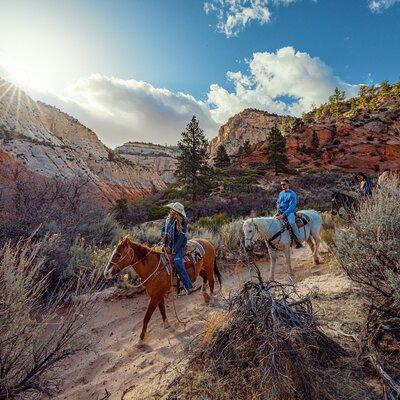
x=156, y=279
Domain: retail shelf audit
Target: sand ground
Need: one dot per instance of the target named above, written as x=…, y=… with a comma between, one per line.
x=115, y=368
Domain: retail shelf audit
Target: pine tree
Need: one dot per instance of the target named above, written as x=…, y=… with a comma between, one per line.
x=221, y=159
x=335, y=102
x=276, y=150
x=192, y=169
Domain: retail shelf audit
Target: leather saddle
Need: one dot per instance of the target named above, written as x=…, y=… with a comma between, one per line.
x=193, y=253
x=301, y=219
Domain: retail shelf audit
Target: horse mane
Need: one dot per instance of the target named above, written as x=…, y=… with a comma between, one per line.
x=141, y=250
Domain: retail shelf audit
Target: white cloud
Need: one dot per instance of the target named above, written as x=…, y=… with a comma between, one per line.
x=234, y=15
x=118, y=110
x=284, y=82
x=121, y=110
x=379, y=5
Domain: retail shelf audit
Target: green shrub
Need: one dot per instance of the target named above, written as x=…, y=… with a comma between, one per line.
x=157, y=212
x=212, y=223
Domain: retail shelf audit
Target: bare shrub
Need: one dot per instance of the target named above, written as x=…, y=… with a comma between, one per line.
x=268, y=345
x=34, y=340
x=368, y=251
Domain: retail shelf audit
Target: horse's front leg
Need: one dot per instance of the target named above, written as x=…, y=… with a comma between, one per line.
x=161, y=307
x=153, y=303
x=288, y=263
x=273, y=256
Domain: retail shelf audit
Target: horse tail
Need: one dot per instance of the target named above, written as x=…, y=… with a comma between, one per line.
x=217, y=273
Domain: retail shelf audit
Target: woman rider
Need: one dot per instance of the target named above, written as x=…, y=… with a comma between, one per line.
x=175, y=238
x=364, y=184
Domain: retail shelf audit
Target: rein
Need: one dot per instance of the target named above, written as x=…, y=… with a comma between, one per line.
x=273, y=237
x=137, y=262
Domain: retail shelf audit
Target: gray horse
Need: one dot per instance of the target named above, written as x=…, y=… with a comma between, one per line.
x=275, y=235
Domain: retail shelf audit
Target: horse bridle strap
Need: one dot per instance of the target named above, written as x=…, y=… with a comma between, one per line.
x=272, y=238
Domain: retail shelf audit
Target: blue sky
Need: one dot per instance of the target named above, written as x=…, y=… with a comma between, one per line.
x=136, y=70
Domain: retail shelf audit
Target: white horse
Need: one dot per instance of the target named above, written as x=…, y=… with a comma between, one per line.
x=277, y=238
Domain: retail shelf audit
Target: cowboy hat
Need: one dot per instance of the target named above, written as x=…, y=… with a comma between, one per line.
x=178, y=207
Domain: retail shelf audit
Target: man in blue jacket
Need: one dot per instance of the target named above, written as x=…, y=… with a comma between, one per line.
x=286, y=204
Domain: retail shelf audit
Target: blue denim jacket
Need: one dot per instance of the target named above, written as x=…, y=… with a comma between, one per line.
x=287, y=202
x=175, y=239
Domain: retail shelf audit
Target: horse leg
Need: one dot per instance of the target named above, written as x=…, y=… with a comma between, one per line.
x=206, y=296
x=317, y=238
x=288, y=262
x=273, y=256
x=161, y=307
x=153, y=303
x=311, y=244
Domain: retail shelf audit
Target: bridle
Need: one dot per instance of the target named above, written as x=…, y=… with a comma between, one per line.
x=116, y=263
x=265, y=237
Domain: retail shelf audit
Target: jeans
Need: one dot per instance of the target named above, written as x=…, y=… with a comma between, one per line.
x=180, y=268
x=292, y=221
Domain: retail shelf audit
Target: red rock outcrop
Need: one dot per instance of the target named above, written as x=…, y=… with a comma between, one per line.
x=369, y=142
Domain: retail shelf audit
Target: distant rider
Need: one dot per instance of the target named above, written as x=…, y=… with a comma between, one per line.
x=174, y=233
x=364, y=184
x=286, y=204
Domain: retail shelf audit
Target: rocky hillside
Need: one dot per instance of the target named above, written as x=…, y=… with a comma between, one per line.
x=160, y=159
x=360, y=134
x=49, y=142
x=250, y=124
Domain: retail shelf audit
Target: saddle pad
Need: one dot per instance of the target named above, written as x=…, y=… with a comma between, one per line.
x=194, y=246
x=302, y=219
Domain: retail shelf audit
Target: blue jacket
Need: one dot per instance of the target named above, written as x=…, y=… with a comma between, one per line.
x=287, y=202
x=366, y=190
x=175, y=239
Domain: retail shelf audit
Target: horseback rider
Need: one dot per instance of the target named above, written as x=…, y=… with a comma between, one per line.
x=175, y=232
x=364, y=184
x=286, y=204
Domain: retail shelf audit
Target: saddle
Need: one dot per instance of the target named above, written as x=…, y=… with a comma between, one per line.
x=193, y=253
x=301, y=219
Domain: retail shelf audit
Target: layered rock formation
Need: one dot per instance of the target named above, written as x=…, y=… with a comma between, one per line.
x=160, y=159
x=49, y=142
x=369, y=141
x=250, y=124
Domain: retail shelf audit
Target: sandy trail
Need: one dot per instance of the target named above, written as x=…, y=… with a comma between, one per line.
x=115, y=364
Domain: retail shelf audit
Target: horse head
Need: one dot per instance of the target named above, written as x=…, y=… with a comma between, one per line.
x=250, y=231
x=120, y=258
x=335, y=203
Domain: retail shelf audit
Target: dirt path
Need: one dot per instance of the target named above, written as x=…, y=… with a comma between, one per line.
x=115, y=364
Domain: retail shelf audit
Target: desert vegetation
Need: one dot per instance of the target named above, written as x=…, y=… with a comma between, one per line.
x=370, y=99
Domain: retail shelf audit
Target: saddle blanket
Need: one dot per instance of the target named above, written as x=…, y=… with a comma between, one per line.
x=194, y=251
x=301, y=219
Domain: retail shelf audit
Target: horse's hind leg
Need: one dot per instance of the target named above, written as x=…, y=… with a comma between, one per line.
x=153, y=303
x=311, y=244
x=317, y=238
x=206, y=296
x=161, y=307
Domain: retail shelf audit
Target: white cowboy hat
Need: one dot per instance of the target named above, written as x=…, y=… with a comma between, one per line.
x=178, y=207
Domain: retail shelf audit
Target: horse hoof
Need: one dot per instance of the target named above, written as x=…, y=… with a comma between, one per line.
x=140, y=343
x=206, y=297
x=166, y=325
